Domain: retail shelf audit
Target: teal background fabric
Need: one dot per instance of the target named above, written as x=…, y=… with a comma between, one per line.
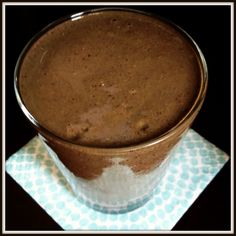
x=193, y=164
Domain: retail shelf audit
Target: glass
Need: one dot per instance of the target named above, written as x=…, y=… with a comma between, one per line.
x=101, y=177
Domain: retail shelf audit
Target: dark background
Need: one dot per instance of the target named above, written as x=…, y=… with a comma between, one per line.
x=210, y=28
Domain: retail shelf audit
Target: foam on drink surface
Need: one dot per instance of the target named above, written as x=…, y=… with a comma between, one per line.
x=110, y=79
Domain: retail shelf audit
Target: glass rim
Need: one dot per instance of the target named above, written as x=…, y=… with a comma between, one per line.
x=194, y=108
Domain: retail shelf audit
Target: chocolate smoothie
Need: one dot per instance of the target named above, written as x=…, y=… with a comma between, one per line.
x=110, y=79
x=116, y=89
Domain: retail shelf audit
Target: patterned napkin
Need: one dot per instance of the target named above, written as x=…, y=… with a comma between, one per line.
x=193, y=165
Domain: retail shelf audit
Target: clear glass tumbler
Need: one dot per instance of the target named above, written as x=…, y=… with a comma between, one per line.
x=114, y=180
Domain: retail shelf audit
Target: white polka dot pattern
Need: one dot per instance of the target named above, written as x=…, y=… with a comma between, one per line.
x=193, y=165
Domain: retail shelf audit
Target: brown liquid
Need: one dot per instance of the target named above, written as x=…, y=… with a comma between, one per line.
x=110, y=79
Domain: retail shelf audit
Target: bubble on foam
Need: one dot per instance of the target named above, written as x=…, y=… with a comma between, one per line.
x=142, y=125
x=77, y=130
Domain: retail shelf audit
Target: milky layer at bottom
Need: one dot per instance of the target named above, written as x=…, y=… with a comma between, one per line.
x=118, y=189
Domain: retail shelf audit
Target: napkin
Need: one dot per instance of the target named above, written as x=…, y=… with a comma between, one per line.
x=193, y=164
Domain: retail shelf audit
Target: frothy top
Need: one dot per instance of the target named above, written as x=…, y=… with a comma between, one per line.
x=110, y=79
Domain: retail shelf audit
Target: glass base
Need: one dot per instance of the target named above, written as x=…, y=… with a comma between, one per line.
x=116, y=210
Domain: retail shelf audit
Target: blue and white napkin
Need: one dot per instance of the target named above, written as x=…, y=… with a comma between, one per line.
x=194, y=163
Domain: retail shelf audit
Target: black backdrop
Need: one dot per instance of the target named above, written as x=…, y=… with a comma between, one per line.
x=210, y=28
